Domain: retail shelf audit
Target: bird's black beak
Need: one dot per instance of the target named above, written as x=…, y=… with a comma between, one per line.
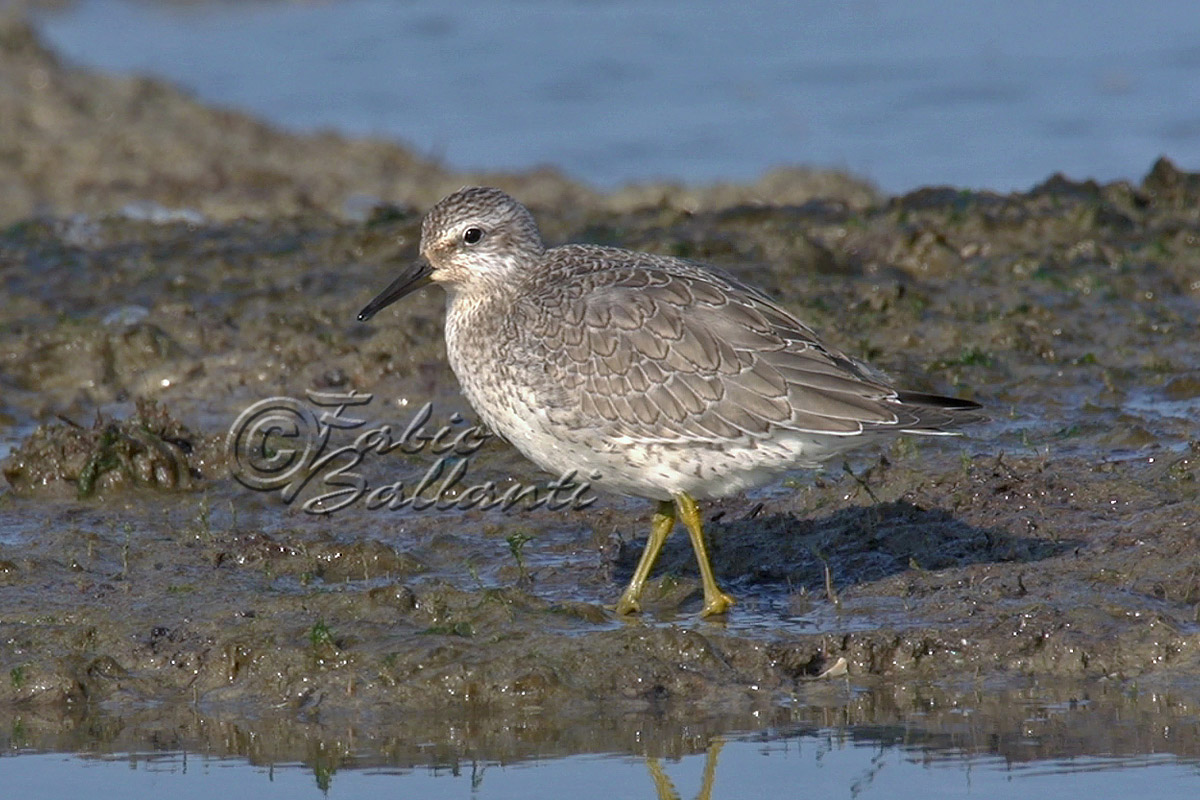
x=413, y=278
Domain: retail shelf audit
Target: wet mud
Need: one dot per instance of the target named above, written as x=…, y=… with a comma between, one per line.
x=165, y=267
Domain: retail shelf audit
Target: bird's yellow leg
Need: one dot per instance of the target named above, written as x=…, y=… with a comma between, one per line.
x=710, y=770
x=664, y=789
x=664, y=521
x=715, y=601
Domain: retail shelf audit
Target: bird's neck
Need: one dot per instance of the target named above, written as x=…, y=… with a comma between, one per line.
x=476, y=316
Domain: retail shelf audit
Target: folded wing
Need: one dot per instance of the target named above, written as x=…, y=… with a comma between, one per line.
x=656, y=353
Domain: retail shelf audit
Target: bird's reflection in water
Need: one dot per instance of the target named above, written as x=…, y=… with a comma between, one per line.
x=665, y=790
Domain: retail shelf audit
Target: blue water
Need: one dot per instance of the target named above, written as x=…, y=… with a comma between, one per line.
x=983, y=94
x=828, y=765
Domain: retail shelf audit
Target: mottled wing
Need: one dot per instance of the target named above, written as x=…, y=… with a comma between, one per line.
x=659, y=355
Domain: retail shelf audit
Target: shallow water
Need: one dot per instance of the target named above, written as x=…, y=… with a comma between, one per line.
x=995, y=95
x=826, y=763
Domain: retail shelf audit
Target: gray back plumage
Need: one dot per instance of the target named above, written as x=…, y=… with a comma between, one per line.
x=660, y=349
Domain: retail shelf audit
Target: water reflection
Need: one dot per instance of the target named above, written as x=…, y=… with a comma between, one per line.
x=897, y=741
x=664, y=788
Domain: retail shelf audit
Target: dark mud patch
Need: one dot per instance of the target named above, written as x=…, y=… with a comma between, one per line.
x=149, y=449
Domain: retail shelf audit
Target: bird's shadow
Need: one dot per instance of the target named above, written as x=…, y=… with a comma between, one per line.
x=857, y=545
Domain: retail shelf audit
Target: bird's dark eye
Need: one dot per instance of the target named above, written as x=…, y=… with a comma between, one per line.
x=472, y=235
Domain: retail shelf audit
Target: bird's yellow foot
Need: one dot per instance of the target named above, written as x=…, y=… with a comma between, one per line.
x=716, y=604
x=628, y=604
